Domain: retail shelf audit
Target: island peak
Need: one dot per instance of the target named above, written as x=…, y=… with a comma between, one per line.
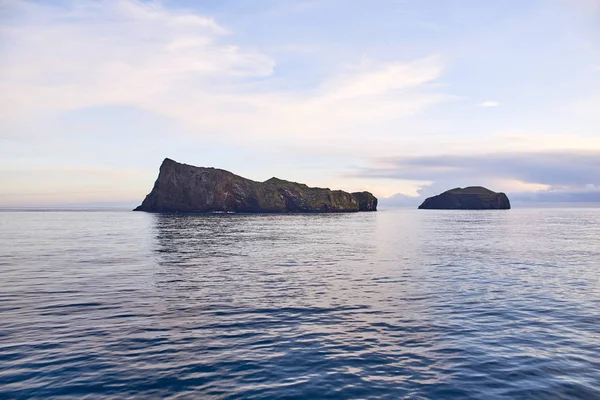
x=468, y=198
x=188, y=189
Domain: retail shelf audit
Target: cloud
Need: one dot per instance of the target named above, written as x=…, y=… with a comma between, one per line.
x=558, y=196
x=489, y=103
x=180, y=64
x=558, y=170
x=363, y=95
x=526, y=177
x=111, y=52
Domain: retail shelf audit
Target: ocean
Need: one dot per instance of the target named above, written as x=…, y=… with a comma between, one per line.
x=414, y=304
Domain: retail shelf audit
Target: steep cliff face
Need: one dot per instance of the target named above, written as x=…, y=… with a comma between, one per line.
x=469, y=198
x=185, y=188
x=366, y=201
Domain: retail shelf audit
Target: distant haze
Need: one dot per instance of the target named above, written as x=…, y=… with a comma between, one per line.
x=405, y=99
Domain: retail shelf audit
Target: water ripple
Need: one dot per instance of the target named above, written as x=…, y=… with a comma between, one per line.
x=394, y=304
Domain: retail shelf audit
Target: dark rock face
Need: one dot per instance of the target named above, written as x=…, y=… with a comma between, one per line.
x=366, y=201
x=188, y=189
x=469, y=198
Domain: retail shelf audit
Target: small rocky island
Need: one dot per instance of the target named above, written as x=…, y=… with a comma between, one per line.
x=188, y=189
x=469, y=198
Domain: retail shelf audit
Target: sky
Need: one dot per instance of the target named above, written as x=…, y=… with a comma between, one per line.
x=398, y=97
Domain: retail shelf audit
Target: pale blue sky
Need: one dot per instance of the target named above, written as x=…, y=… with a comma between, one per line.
x=343, y=94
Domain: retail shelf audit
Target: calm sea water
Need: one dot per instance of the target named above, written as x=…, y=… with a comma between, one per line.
x=393, y=304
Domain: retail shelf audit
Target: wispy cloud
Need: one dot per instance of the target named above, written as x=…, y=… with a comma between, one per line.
x=489, y=103
x=558, y=170
x=111, y=52
x=179, y=64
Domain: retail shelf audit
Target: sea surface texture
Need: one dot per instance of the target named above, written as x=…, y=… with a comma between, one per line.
x=393, y=304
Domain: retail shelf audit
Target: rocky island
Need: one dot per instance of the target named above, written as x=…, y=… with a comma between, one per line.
x=189, y=189
x=469, y=198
